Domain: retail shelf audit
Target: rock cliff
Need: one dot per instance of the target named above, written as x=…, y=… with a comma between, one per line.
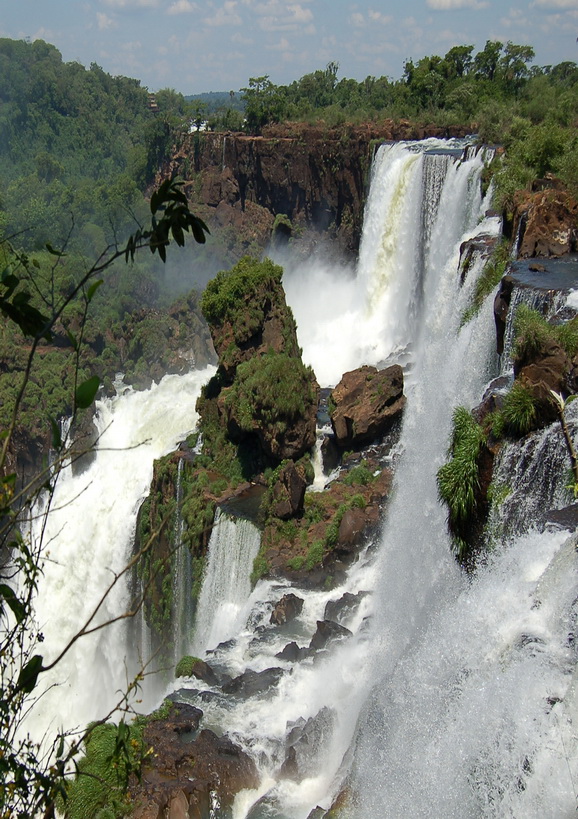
x=315, y=176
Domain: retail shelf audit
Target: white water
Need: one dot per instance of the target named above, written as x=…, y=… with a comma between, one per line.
x=346, y=319
x=88, y=540
x=226, y=586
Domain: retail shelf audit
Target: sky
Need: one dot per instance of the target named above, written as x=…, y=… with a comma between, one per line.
x=217, y=45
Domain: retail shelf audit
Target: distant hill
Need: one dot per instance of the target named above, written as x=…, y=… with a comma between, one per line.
x=219, y=100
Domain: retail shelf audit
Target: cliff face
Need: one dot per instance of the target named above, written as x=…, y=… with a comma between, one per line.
x=315, y=176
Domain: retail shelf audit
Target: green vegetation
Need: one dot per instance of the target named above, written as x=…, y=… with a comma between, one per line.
x=458, y=479
x=359, y=475
x=237, y=296
x=112, y=754
x=534, y=334
x=489, y=278
x=519, y=411
x=274, y=390
x=185, y=666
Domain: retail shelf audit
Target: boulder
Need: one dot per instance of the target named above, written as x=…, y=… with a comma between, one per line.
x=251, y=683
x=178, y=777
x=327, y=631
x=338, y=610
x=305, y=742
x=292, y=653
x=549, y=369
x=549, y=223
x=365, y=404
x=288, y=492
x=202, y=671
x=286, y=609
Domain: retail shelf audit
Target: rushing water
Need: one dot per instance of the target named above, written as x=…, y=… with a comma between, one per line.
x=88, y=539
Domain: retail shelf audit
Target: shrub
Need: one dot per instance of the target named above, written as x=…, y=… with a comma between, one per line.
x=185, y=666
x=296, y=563
x=271, y=390
x=314, y=555
x=519, y=410
x=489, y=277
x=458, y=479
x=229, y=293
x=100, y=784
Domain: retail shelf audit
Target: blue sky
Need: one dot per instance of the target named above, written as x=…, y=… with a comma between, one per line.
x=216, y=45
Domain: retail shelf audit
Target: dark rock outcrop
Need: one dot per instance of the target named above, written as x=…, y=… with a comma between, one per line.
x=547, y=221
x=366, y=403
x=288, y=492
x=179, y=776
x=341, y=609
x=252, y=683
x=326, y=632
x=289, y=607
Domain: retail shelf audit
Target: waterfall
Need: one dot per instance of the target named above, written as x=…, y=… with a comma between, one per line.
x=422, y=202
x=88, y=539
x=233, y=547
x=182, y=610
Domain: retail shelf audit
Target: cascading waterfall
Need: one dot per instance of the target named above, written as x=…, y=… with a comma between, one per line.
x=412, y=287
x=233, y=547
x=88, y=540
x=375, y=314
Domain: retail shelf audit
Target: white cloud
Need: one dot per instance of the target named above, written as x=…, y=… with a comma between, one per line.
x=127, y=5
x=239, y=38
x=357, y=19
x=300, y=15
x=379, y=17
x=282, y=45
x=182, y=7
x=104, y=21
x=225, y=16
x=555, y=4
x=450, y=5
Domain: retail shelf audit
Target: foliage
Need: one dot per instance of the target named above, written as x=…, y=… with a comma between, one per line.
x=519, y=410
x=237, y=296
x=533, y=333
x=314, y=555
x=359, y=475
x=458, y=479
x=273, y=389
x=185, y=666
x=112, y=754
x=488, y=279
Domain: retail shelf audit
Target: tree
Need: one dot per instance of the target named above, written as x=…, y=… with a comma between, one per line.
x=33, y=777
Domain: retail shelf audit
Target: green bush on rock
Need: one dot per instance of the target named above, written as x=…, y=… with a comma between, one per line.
x=458, y=479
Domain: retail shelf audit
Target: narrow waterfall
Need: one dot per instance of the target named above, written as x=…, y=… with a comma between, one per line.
x=88, y=539
x=183, y=615
x=233, y=547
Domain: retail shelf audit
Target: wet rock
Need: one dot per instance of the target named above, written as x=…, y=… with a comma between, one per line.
x=342, y=609
x=566, y=518
x=501, y=307
x=317, y=813
x=549, y=220
x=252, y=683
x=327, y=631
x=211, y=766
x=201, y=671
x=305, y=743
x=292, y=653
x=289, y=607
x=366, y=403
x=288, y=492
